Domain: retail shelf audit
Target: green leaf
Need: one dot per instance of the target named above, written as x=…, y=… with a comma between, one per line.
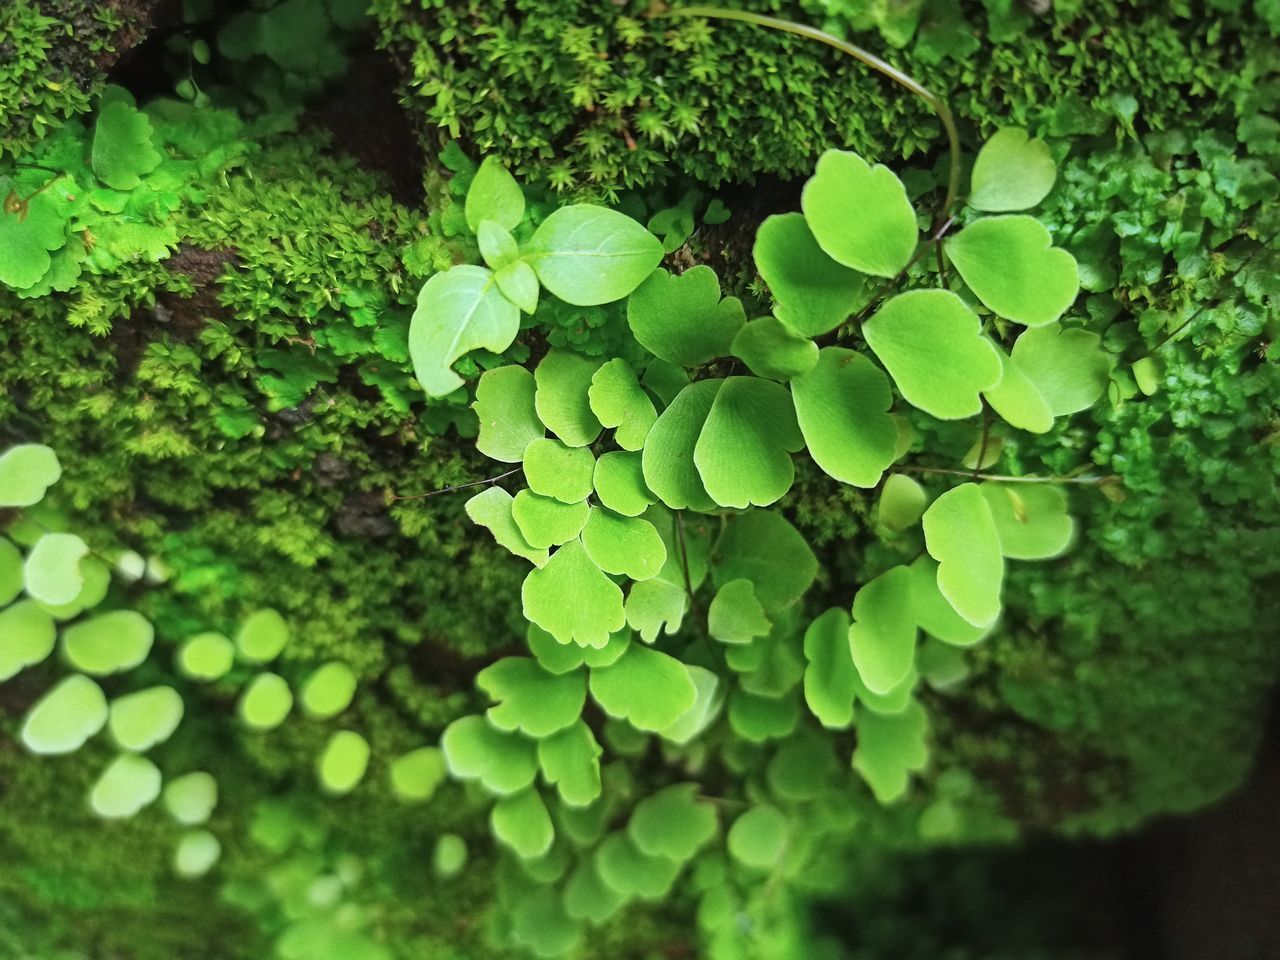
x=932, y=346
x=521, y=823
x=655, y=604
x=743, y=454
x=563, y=399
x=122, y=148
x=545, y=522
x=891, y=702
x=27, y=237
x=859, y=214
x=735, y=614
x=1068, y=366
x=587, y=897
x=812, y=293
x=588, y=255
x=619, y=402
x=458, y=311
x=960, y=533
x=758, y=718
x=934, y=614
x=11, y=579
x=1031, y=519
x=901, y=503
x=504, y=763
x=1012, y=172
x=1017, y=399
x=206, y=656
x=519, y=284
x=570, y=761
x=764, y=548
x=772, y=350
x=52, y=573
x=941, y=664
x=196, y=854
x=343, y=762
x=449, y=856
x=494, y=195
x=138, y=721
x=493, y=509
x=672, y=823
x=328, y=690
x=681, y=319
x=129, y=783
x=262, y=636
x=708, y=700
x=530, y=699
x=624, y=546
x=619, y=483
x=644, y=687
x=664, y=380
x=830, y=675
x=540, y=925
x=266, y=701
x=572, y=599
x=190, y=798
x=759, y=837
x=1010, y=263
x=27, y=471
x=556, y=657
x=561, y=472
x=631, y=873
x=669, y=469
x=882, y=638
x=108, y=643
x=842, y=408
x=508, y=420
x=27, y=637
x=889, y=749
x=65, y=717
x=497, y=247
x=417, y=775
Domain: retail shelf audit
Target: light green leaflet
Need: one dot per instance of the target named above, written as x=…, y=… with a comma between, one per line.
x=521, y=822
x=1012, y=172
x=708, y=699
x=830, y=674
x=1017, y=399
x=842, y=407
x=624, y=546
x=97, y=581
x=328, y=690
x=1031, y=519
x=743, y=453
x=653, y=605
x=934, y=614
x=812, y=293
x=619, y=483
x=859, y=214
x=128, y=784
x=196, y=854
x=545, y=522
x=497, y=247
x=681, y=319
x=619, y=402
x=631, y=873
x=541, y=927
x=206, y=656
x=504, y=763
x=556, y=657
x=901, y=503
x=122, y=148
x=588, y=255
x=758, y=719
x=458, y=311
x=262, y=636
x=942, y=665
x=416, y=775
x=138, y=721
x=343, y=762
x=52, y=573
x=25, y=241
x=764, y=548
x=645, y=687
x=530, y=699
x=494, y=195
x=190, y=798
x=492, y=509
x=669, y=469
x=570, y=761
x=587, y=897
x=882, y=637
x=961, y=535
x=562, y=397
x=890, y=748
x=758, y=838
x=562, y=472
x=519, y=284
x=504, y=407
x=65, y=717
x=735, y=614
x=10, y=572
x=1011, y=264
x=672, y=823
x=771, y=350
x=1068, y=366
x=892, y=702
x=572, y=599
x=449, y=856
x=27, y=471
x=266, y=701
x=932, y=346
x=108, y=643
x=27, y=636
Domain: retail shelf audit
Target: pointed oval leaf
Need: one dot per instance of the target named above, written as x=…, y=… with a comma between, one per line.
x=1010, y=263
x=1012, y=172
x=669, y=468
x=882, y=638
x=266, y=701
x=458, y=311
x=859, y=214
x=1067, y=366
x=497, y=246
x=494, y=195
x=624, y=546
x=65, y=717
x=494, y=510
x=530, y=699
x=588, y=255
x=190, y=798
x=902, y=501
x=619, y=402
x=555, y=470
x=570, y=761
x=771, y=350
x=743, y=454
x=343, y=762
x=508, y=420
x=842, y=406
x=1031, y=519
x=812, y=293
x=890, y=749
x=961, y=535
x=572, y=599
x=829, y=676
x=759, y=837
x=504, y=763
x=27, y=636
x=206, y=656
x=328, y=690
x=681, y=319
x=108, y=643
x=27, y=471
x=52, y=573
x=619, y=483
x=545, y=522
x=138, y=721
x=521, y=822
x=647, y=688
x=519, y=284
x=562, y=397
x=129, y=783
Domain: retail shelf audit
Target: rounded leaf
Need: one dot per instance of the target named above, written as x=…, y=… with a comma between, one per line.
x=647, y=688
x=570, y=761
x=829, y=677
x=504, y=407
x=328, y=690
x=572, y=599
x=190, y=798
x=1031, y=519
x=1012, y=172
x=27, y=636
x=960, y=533
x=129, y=783
x=902, y=501
x=52, y=573
x=416, y=775
x=624, y=546
x=743, y=453
x=26, y=472
x=108, y=643
x=504, y=763
x=493, y=195
x=882, y=638
x=772, y=350
x=681, y=319
x=530, y=699
x=1010, y=263
x=521, y=822
x=206, y=656
x=458, y=311
x=494, y=509
x=65, y=717
x=196, y=854
x=763, y=547
x=669, y=469
x=619, y=483
x=1068, y=366
x=890, y=748
x=562, y=396
x=842, y=407
x=555, y=470
x=859, y=214
x=758, y=838
x=138, y=721
x=619, y=402
x=812, y=293
x=266, y=701
x=545, y=522
x=342, y=763
x=262, y=636
x=672, y=823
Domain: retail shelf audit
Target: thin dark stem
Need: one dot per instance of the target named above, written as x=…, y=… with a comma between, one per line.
x=684, y=563
x=1000, y=478
x=457, y=486
x=986, y=435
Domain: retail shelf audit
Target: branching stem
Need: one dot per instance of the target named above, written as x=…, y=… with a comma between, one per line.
x=456, y=486
x=1001, y=478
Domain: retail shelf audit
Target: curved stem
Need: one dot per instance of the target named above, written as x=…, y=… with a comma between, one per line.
x=936, y=103
x=1002, y=478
